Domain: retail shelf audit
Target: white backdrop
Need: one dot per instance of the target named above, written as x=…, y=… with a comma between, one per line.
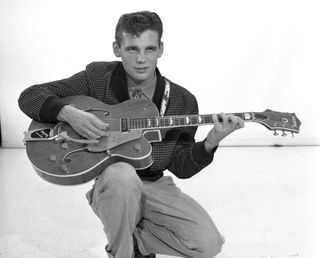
x=235, y=56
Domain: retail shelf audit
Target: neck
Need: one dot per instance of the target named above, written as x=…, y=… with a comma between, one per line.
x=149, y=83
x=179, y=121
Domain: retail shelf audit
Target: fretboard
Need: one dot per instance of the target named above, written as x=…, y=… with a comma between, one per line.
x=174, y=121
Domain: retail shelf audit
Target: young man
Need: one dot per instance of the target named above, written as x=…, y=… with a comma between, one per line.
x=142, y=211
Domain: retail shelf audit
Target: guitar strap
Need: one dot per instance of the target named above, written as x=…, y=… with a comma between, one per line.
x=165, y=97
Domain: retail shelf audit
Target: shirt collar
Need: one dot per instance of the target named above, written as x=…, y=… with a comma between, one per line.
x=119, y=85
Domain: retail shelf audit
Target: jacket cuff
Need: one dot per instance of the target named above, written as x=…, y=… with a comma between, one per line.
x=200, y=154
x=50, y=109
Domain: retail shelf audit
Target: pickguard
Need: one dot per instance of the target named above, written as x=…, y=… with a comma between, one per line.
x=114, y=139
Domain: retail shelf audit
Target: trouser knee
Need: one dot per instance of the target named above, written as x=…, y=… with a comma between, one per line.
x=211, y=246
x=207, y=242
x=118, y=184
x=120, y=175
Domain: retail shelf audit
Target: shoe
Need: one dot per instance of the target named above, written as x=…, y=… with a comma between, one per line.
x=137, y=253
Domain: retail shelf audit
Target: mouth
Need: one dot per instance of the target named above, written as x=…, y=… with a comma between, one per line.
x=141, y=69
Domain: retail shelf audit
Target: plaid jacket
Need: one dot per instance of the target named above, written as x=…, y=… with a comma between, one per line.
x=178, y=152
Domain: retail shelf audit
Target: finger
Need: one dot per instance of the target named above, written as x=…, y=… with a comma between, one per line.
x=98, y=127
x=240, y=122
x=233, y=121
x=84, y=133
x=237, y=121
x=224, y=119
x=96, y=132
x=90, y=134
x=98, y=123
x=89, y=131
x=215, y=120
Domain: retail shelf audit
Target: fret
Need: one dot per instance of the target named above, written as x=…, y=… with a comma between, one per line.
x=182, y=121
x=176, y=121
x=167, y=122
x=135, y=123
x=204, y=119
x=162, y=123
x=207, y=119
x=131, y=123
x=194, y=120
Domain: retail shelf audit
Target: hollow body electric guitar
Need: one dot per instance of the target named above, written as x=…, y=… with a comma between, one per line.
x=59, y=155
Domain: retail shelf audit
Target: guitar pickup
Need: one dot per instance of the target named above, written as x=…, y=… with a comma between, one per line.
x=124, y=125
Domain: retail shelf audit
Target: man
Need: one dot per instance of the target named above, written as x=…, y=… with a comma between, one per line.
x=142, y=211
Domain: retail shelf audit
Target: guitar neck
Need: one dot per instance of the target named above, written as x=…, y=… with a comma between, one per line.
x=175, y=121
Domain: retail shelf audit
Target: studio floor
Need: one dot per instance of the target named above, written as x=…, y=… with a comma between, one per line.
x=264, y=200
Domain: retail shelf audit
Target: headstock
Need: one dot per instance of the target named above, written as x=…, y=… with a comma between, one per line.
x=278, y=121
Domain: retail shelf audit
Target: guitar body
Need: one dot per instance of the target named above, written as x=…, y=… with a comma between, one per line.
x=69, y=162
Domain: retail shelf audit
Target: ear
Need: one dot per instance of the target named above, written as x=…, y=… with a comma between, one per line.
x=161, y=49
x=116, y=49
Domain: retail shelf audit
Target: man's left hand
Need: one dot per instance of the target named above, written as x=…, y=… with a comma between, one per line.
x=229, y=124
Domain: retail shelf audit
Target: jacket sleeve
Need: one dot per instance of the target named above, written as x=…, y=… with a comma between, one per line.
x=42, y=101
x=189, y=157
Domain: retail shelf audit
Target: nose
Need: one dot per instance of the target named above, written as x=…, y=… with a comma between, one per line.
x=141, y=57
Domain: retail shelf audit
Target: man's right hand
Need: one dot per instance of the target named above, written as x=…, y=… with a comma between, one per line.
x=86, y=124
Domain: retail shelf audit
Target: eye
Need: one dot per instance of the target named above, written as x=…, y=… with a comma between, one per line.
x=131, y=50
x=151, y=49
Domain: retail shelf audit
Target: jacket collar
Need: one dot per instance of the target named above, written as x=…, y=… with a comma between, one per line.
x=119, y=85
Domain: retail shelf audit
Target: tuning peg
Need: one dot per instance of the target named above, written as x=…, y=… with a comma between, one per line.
x=284, y=133
x=275, y=133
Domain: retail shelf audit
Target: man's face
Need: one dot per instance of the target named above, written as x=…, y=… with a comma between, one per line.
x=139, y=55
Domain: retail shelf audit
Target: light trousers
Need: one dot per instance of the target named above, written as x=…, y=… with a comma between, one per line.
x=162, y=219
